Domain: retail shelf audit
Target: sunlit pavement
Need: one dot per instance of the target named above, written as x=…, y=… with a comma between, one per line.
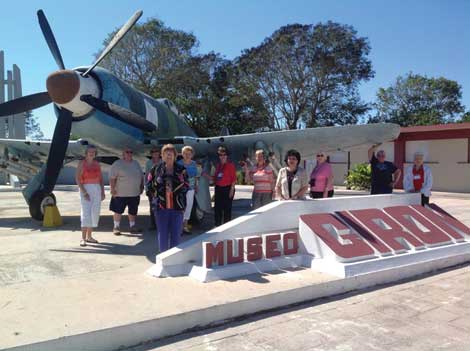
x=429, y=313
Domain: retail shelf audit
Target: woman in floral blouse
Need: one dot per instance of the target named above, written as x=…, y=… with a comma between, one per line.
x=168, y=184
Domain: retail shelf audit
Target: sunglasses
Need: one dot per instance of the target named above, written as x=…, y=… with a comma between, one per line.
x=129, y=152
x=320, y=155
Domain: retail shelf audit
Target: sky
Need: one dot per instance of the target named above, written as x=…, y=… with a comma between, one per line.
x=429, y=37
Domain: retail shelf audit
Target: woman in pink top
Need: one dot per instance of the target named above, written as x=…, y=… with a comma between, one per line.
x=90, y=182
x=262, y=177
x=321, y=179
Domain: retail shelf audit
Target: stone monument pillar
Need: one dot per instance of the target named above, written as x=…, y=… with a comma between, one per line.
x=12, y=127
x=2, y=92
x=18, y=126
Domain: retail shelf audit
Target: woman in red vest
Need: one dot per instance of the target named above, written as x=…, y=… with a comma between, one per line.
x=418, y=178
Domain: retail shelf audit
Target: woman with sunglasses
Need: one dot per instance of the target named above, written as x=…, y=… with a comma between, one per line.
x=262, y=177
x=168, y=184
x=321, y=178
x=292, y=181
x=193, y=175
x=225, y=179
x=90, y=182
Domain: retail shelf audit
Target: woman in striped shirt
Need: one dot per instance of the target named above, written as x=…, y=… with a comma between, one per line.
x=262, y=177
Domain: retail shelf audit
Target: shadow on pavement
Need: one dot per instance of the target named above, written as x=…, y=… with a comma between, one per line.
x=71, y=223
x=146, y=247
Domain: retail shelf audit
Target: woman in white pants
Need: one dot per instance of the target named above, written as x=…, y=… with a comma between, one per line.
x=192, y=171
x=90, y=182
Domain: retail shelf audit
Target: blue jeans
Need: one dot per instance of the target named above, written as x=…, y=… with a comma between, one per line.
x=169, y=228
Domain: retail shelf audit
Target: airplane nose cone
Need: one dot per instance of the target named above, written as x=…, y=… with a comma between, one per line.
x=63, y=86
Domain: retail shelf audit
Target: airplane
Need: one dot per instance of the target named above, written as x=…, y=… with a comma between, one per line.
x=105, y=111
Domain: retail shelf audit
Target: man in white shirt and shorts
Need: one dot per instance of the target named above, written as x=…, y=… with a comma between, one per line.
x=127, y=183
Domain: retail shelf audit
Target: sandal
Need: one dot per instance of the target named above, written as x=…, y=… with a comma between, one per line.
x=92, y=240
x=82, y=243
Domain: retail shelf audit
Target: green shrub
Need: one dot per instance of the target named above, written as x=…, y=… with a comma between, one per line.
x=240, y=178
x=359, y=177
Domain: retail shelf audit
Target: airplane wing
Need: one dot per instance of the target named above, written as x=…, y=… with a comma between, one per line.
x=307, y=141
x=24, y=158
x=39, y=149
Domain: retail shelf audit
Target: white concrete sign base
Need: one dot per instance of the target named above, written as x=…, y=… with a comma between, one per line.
x=345, y=237
x=242, y=269
x=423, y=262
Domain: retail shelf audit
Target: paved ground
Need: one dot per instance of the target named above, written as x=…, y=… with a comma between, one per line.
x=31, y=252
x=424, y=314
x=432, y=313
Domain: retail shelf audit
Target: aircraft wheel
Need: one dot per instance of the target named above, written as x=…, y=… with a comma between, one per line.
x=38, y=203
x=197, y=215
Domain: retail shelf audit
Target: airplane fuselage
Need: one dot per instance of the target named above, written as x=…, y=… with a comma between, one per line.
x=111, y=134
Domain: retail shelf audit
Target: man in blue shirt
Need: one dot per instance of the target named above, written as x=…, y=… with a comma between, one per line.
x=385, y=174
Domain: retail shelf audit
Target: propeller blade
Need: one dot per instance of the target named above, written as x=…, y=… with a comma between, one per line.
x=60, y=142
x=119, y=113
x=25, y=103
x=50, y=40
x=117, y=37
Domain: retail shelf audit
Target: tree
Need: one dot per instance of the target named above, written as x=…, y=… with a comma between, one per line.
x=32, y=128
x=149, y=54
x=465, y=117
x=309, y=74
x=208, y=94
x=418, y=100
x=162, y=62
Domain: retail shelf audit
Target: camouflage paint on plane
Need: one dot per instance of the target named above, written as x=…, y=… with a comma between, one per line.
x=113, y=135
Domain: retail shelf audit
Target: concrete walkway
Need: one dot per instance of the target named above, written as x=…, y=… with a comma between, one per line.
x=431, y=313
x=51, y=288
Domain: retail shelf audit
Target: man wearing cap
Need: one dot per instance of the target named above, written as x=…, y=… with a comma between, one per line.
x=127, y=183
x=155, y=160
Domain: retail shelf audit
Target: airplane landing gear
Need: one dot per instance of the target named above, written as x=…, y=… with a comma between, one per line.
x=38, y=203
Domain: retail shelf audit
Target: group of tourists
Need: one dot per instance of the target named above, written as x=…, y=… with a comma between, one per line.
x=171, y=182
x=293, y=182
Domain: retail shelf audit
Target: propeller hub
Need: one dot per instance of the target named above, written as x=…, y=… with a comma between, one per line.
x=63, y=86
